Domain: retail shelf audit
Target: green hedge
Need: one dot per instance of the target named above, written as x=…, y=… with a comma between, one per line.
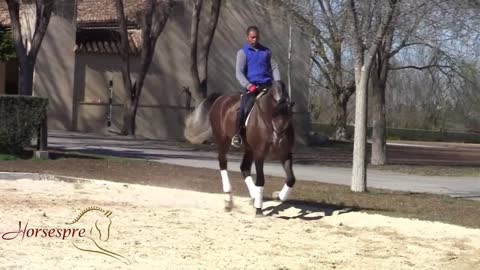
x=19, y=118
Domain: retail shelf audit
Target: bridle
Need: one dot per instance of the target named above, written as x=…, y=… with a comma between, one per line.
x=278, y=133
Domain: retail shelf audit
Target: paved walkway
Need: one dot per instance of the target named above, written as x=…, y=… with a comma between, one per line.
x=172, y=153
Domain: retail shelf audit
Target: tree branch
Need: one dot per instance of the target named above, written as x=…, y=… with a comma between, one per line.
x=211, y=26
x=44, y=10
x=196, y=87
x=124, y=47
x=419, y=67
x=14, y=10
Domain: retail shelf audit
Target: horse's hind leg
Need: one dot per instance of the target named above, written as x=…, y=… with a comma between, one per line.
x=289, y=183
x=258, y=188
x=227, y=186
x=246, y=167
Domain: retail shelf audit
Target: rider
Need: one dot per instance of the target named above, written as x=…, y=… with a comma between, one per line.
x=255, y=70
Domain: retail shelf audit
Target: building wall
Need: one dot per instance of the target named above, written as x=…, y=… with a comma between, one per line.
x=162, y=105
x=54, y=69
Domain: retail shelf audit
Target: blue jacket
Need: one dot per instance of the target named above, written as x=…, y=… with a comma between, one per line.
x=258, y=69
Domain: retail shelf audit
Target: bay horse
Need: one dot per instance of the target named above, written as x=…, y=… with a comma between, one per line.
x=269, y=135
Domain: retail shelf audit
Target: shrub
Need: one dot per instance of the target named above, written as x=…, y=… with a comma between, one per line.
x=19, y=118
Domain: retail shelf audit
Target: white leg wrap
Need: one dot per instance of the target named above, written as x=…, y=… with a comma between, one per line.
x=283, y=196
x=258, y=196
x=227, y=187
x=250, y=186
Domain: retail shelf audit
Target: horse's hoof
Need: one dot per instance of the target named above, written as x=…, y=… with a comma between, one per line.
x=276, y=196
x=228, y=206
x=228, y=202
x=259, y=213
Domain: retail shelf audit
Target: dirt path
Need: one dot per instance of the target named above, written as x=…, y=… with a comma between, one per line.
x=159, y=228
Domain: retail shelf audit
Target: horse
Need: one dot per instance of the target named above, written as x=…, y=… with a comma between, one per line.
x=269, y=135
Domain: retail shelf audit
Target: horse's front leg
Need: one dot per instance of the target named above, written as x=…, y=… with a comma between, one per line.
x=258, y=189
x=246, y=167
x=289, y=182
x=227, y=186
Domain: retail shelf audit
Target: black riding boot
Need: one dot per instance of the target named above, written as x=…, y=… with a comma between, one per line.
x=237, y=139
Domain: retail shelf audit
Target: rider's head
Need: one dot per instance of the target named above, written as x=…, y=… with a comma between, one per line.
x=253, y=36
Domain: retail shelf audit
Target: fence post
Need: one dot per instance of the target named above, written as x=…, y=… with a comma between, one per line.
x=42, y=139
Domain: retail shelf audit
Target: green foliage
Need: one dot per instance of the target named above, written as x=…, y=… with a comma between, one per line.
x=19, y=118
x=5, y=157
x=7, y=46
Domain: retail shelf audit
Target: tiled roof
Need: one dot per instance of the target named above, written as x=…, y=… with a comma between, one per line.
x=105, y=41
x=91, y=12
x=104, y=11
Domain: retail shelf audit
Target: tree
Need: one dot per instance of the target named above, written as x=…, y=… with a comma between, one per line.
x=428, y=26
x=329, y=58
x=367, y=32
x=200, y=47
x=152, y=22
x=325, y=21
x=27, y=48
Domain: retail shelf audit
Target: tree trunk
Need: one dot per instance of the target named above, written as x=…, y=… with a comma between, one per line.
x=205, y=44
x=197, y=94
x=379, y=125
x=128, y=127
x=289, y=58
x=26, y=77
x=359, y=171
x=341, y=132
x=27, y=51
x=363, y=62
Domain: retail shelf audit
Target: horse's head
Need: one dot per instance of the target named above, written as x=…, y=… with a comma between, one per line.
x=282, y=104
x=282, y=112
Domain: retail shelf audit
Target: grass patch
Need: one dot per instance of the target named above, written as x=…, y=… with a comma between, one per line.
x=4, y=157
x=449, y=171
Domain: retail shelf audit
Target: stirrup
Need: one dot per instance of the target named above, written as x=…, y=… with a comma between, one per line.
x=237, y=141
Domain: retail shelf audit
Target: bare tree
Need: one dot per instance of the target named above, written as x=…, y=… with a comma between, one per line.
x=368, y=32
x=200, y=46
x=418, y=26
x=152, y=20
x=27, y=47
x=329, y=57
x=326, y=21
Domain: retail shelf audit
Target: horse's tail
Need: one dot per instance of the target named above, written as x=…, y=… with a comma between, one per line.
x=197, y=125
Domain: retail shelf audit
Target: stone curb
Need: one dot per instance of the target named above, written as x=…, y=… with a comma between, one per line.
x=12, y=176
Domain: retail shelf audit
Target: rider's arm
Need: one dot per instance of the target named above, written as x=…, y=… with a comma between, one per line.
x=240, y=68
x=275, y=69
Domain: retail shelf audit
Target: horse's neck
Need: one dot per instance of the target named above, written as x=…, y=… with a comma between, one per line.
x=266, y=102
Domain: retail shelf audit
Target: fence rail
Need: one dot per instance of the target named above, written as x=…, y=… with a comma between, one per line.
x=410, y=134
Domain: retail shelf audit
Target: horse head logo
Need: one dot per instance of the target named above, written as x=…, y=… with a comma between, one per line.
x=99, y=233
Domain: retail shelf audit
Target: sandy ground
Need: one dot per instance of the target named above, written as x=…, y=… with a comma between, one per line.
x=159, y=228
